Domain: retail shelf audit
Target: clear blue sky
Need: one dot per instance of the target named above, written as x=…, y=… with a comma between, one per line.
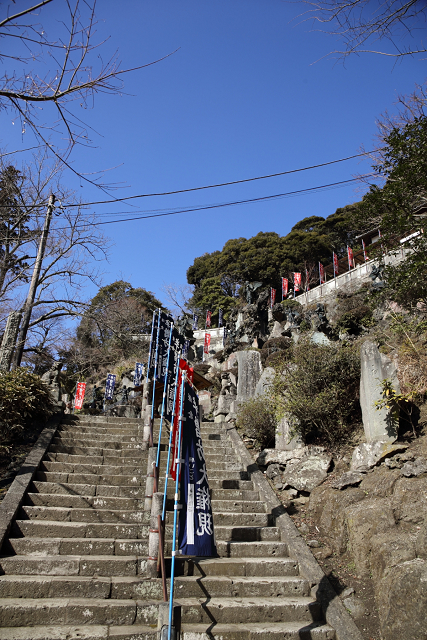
x=243, y=96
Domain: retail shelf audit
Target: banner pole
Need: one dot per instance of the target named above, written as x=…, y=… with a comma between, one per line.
x=175, y=507
x=154, y=383
x=170, y=438
x=74, y=401
x=163, y=406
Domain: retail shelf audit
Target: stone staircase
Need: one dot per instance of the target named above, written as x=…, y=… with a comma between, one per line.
x=75, y=564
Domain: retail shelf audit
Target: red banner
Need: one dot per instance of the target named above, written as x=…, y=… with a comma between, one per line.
x=321, y=273
x=285, y=288
x=183, y=366
x=297, y=281
x=207, y=343
x=336, y=266
x=273, y=297
x=80, y=394
x=208, y=319
x=350, y=257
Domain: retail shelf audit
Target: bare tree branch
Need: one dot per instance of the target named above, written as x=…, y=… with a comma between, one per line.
x=358, y=22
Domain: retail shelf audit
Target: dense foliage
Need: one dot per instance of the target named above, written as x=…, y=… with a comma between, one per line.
x=23, y=398
x=111, y=328
x=256, y=420
x=396, y=207
x=318, y=388
x=267, y=257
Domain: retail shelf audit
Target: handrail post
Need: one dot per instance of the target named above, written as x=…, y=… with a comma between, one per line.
x=176, y=505
x=149, y=485
x=153, y=536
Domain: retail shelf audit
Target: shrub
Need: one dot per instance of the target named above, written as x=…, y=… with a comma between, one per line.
x=23, y=398
x=318, y=387
x=274, y=346
x=256, y=420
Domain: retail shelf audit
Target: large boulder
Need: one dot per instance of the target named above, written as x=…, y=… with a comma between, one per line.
x=369, y=454
x=308, y=472
x=375, y=367
x=286, y=439
x=265, y=382
x=380, y=483
x=364, y=520
x=409, y=500
x=388, y=549
x=327, y=506
x=402, y=601
x=249, y=372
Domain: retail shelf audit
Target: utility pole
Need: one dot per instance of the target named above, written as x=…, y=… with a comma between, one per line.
x=28, y=307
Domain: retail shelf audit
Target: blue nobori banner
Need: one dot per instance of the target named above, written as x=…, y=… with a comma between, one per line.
x=195, y=322
x=109, y=386
x=220, y=318
x=177, y=343
x=159, y=344
x=196, y=530
x=139, y=370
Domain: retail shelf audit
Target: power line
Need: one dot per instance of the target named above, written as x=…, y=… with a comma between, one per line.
x=210, y=186
x=227, y=204
x=220, y=184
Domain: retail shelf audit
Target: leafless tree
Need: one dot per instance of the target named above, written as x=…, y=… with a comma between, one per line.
x=362, y=22
x=63, y=72
x=178, y=295
x=75, y=248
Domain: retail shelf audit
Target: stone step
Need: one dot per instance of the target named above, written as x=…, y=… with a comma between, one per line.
x=100, y=420
x=64, y=488
x=85, y=632
x=80, y=546
x=97, y=442
x=89, y=478
x=114, y=434
x=116, y=460
x=255, y=631
x=95, y=451
x=261, y=549
x=98, y=469
x=49, y=529
x=73, y=566
x=243, y=485
x=238, y=506
x=47, y=611
x=259, y=567
x=225, y=518
x=83, y=502
x=117, y=587
x=262, y=609
x=242, y=587
x=75, y=611
x=59, y=514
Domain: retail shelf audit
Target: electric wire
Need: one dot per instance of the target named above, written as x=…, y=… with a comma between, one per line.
x=298, y=192
x=203, y=187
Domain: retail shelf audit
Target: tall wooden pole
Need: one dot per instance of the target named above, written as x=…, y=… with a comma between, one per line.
x=28, y=307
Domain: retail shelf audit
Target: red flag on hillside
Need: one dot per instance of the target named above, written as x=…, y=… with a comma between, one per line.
x=336, y=266
x=208, y=319
x=285, y=288
x=273, y=297
x=350, y=257
x=80, y=394
x=321, y=273
x=297, y=281
x=207, y=343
